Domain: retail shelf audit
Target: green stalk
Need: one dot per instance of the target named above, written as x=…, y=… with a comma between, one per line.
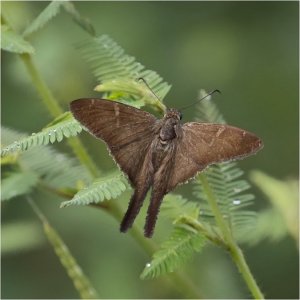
x=234, y=250
x=80, y=281
x=55, y=110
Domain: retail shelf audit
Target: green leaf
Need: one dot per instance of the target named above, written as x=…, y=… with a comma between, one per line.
x=186, y=214
x=44, y=17
x=283, y=196
x=104, y=188
x=16, y=184
x=109, y=62
x=270, y=225
x=224, y=179
x=53, y=10
x=174, y=206
x=64, y=126
x=12, y=42
x=20, y=236
x=207, y=110
x=132, y=93
x=175, y=251
x=53, y=168
x=80, y=281
x=84, y=23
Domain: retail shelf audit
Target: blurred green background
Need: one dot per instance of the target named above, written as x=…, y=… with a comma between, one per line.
x=248, y=50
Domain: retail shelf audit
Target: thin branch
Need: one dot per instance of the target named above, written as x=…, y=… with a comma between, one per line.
x=234, y=250
x=55, y=110
x=201, y=229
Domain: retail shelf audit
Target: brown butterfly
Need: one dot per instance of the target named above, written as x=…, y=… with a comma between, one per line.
x=159, y=153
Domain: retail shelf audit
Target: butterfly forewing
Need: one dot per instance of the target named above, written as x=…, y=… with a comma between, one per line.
x=127, y=131
x=202, y=144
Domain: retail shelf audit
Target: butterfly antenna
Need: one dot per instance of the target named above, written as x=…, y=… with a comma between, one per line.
x=207, y=95
x=147, y=85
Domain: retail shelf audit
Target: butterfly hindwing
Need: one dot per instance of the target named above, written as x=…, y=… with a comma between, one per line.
x=202, y=144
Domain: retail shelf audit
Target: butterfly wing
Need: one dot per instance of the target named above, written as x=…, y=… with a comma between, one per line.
x=127, y=131
x=202, y=144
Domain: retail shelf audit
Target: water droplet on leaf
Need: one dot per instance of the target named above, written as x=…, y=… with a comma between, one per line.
x=236, y=202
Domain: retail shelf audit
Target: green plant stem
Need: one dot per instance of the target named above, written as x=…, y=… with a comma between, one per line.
x=234, y=250
x=201, y=229
x=55, y=110
x=46, y=95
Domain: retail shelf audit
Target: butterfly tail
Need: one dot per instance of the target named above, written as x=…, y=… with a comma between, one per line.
x=153, y=210
x=159, y=190
x=134, y=207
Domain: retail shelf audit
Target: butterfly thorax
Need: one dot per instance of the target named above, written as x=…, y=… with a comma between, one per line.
x=170, y=123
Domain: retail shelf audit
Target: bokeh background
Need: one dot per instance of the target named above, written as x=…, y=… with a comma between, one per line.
x=248, y=50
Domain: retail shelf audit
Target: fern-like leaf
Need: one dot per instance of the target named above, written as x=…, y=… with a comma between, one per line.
x=57, y=170
x=226, y=183
x=84, y=23
x=104, y=188
x=284, y=200
x=174, y=206
x=44, y=17
x=109, y=62
x=207, y=111
x=52, y=10
x=130, y=92
x=17, y=183
x=175, y=251
x=12, y=42
x=64, y=126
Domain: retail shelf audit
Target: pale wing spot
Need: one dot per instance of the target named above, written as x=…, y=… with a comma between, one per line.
x=211, y=142
x=117, y=113
x=117, y=110
x=91, y=104
x=220, y=130
x=218, y=133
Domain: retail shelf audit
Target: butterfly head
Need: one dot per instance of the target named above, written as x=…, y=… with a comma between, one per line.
x=173, y=113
